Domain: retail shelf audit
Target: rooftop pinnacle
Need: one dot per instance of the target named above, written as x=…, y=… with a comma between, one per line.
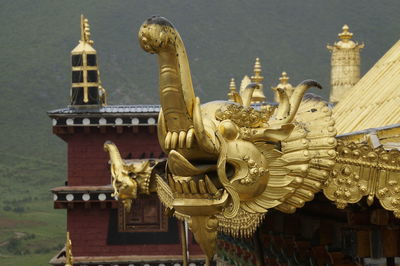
x=284, y=78
x=345, y=34
x=257, y=78
x=232, y=90
x=85, y=31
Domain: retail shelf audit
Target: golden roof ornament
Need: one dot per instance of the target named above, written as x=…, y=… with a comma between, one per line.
x=284, y=78
x=85, y=43
x=85, y=31
x=283, y=84
x=86, y=90
x=69, y=260
x=345, y=64
x=232, y=90
x=257, y=78
x=258, y=94
x=345, y=35
x=226, y=134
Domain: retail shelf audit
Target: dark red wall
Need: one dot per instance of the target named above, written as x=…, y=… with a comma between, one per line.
x=88, y=166
x=87, y=160
x=88, y=230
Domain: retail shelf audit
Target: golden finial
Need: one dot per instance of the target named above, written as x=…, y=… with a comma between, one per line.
x=257, y=78
x=85, y=31
x=284, y=78
x=345, y=34
x=285, y=85
x=258, y=94
x=232, y=90
x=69, y=260
x=345, y=64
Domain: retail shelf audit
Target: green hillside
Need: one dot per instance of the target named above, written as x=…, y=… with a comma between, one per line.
x=222, y=38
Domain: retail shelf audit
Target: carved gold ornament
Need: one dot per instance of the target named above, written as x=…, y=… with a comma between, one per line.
x=69, y=259
x=128, y=178
x=361, y=170
x=228, y=163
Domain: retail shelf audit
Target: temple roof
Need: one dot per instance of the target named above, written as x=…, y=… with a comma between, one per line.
x=375, y=100
x=154, y=108
x=109, y=115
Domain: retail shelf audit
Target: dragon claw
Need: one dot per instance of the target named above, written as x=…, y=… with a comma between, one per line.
x=182, y=140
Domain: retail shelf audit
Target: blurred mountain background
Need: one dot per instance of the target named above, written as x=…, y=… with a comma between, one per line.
x=222, y=39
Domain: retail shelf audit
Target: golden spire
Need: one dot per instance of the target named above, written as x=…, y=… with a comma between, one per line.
x=85, y=31
x=258, y=94
x=283, y=84
x=86, y=89
x=69, y=260
x=232, y=90
x=284, y=78
x=257, y=78
x=345, y=64
x=345, y=34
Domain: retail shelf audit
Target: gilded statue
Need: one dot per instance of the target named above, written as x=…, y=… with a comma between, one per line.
x=229, y=162
x=129, y=178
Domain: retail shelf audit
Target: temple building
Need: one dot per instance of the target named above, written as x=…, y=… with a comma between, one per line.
x=345, y=65
x=353, y=218
x=101, y=230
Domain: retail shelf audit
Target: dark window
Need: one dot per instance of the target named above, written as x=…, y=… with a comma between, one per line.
x=77, y=76
x=146, y=216
x=124, y=237
x=77, y=96
x=76, y=60
x=92, y=76
x=93, y=95
x=91, y=59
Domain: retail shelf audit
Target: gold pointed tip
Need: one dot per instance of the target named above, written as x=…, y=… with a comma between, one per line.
x=85, y=30
x=257, y=64
x=345, y=34
x=284, y=78
x=68, y=250
x=257, y=78
x=232, y=85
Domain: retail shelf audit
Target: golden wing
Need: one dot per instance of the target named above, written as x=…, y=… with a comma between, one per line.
x=298, y=171
x=164, y=192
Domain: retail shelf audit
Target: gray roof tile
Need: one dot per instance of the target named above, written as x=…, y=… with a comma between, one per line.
x=109, y=109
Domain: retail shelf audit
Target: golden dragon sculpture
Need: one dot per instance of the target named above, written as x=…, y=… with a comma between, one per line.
x=230, y=162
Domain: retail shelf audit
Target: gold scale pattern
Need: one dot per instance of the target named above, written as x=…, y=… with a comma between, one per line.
x=361, y=170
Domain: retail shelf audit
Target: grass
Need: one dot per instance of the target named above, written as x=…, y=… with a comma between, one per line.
x=24, y=260
x=33, y=236
x=31, y=231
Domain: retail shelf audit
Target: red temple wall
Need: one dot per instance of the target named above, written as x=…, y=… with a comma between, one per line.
x=88, y=165
x=88, y=162
x=88, y=230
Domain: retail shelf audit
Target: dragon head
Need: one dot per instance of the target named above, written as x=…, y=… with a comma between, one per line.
x=227, y=161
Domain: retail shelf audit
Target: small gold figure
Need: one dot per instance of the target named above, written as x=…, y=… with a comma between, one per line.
x=129, y=179
x=69, y=260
